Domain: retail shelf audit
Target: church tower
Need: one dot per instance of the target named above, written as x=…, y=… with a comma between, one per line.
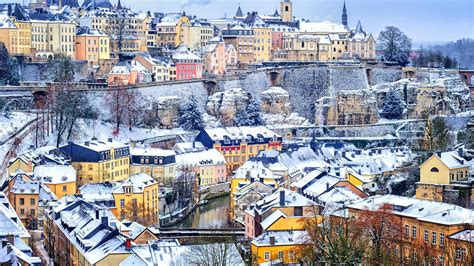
x=344, y=15
x=286, y=10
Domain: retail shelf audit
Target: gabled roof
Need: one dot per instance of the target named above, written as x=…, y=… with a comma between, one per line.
x=239, y=12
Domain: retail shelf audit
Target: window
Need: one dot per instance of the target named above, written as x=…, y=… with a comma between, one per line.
x=441, y=239
x=22, y=211
x=64, y=188
x=407, y=231
x=441, y=260
x=425, y=236
x=460, y=254
x=280, y=255
x=32, y=201
x=267, y=256
x=32, y=211
x=22, y=201
x=413, y=231
x=298, y=211
x=122, y=203
x=291, y=255
x=434, y=238
x=434, y=169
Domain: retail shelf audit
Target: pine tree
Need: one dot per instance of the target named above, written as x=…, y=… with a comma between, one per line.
x=393, y=106
x=8, y=67
x=250, y=116
x=190, y=118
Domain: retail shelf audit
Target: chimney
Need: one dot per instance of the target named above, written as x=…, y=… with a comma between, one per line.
x=109, y=139
x=282, y=198
x=97, y=214
x=460, y=152
x=194, y=144
x=438, y=153
x=272, y=240
x=87, y=143
x=128, y=244
x=104, y=220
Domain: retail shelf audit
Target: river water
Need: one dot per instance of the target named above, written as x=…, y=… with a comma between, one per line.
x=214, y=214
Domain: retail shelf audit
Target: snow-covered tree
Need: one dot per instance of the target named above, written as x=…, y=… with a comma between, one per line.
x=393, y=105
x=250, y=116
x=396, y=46
x=190, y=118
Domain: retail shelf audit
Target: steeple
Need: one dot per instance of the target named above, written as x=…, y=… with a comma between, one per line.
x=276, y=13
x=344, y=15
x=239, y=12
x=359, y=28
x=119, y=5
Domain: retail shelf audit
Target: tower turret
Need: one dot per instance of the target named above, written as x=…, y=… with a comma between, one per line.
x=286, y=10
x=344, y=15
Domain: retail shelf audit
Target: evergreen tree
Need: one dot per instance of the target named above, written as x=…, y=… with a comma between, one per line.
x=393, y=105
x=190, y=118
x=436, y=135
x=249, y=116
x=8, y=67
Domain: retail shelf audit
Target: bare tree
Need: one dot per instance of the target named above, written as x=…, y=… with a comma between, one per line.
x=139, y=213
x=185, y=186
x=123, y=106
x=332, y=240
x=219, y=254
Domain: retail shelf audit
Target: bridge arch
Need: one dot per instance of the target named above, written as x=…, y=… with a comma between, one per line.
x=211, y=86
x=275, y=78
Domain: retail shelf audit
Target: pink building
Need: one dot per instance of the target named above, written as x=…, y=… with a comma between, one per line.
x=218, y=57
x=209, y=165
x=188, y=64
x=124, y=73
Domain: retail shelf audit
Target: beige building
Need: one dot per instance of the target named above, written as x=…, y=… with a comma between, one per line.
x=241, y=37
x=197, y=34
x=52, y=34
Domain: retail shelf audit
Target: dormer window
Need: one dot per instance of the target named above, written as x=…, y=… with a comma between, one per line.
x=127, y=190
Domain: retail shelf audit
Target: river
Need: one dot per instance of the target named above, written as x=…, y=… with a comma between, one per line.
x=214, y=214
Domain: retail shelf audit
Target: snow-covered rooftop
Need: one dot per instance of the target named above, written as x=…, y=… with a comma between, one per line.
x=54, y=174
x=200, y=158
x=423, y=210
x=280, y=238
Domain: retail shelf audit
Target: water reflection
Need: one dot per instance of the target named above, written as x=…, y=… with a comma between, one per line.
x=215, y=214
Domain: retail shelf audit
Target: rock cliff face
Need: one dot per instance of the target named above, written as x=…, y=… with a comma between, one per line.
x=276, y=100
x=275, y=103
x=168, y=110
x=224, y=105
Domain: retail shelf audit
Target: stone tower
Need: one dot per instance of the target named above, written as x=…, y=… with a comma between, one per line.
x=286, y=10
x=344, y=15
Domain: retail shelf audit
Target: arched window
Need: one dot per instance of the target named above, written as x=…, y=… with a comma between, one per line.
x=434, y=169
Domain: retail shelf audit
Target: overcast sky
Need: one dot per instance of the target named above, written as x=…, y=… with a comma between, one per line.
x=421, y=20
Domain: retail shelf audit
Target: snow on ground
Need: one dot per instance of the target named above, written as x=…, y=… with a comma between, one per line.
x=14, y=121
x=88, y=128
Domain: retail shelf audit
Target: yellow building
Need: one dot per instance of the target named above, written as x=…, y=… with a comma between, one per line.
x=262, y=41
x=446, y=172
x=241, y=37
x=8, y=32
x=137, y=194
x=60, y=179
x=283, y=247
x=52, y=34
x=99, y=161
x=170, y=29
x=159, y=164
x=21, y=39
